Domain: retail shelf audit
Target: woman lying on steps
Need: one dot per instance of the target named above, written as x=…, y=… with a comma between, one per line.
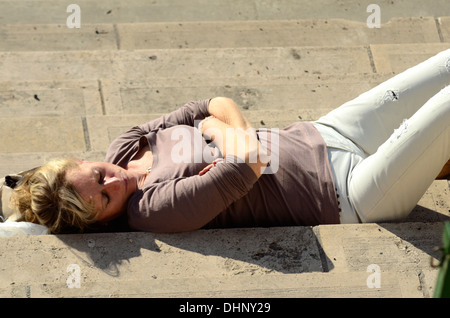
x=202, y=166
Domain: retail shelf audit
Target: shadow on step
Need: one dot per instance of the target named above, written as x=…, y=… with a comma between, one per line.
x=422, y=229
x=228, y=251
x=237, y=250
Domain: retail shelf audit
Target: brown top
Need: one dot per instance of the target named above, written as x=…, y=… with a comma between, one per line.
x=297, y=188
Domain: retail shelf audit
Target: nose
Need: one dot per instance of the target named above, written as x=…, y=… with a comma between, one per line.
x=112, y=183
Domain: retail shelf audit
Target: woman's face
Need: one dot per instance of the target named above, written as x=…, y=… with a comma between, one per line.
x=107, y=185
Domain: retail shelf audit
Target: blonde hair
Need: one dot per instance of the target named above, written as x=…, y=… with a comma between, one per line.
x=46, y=197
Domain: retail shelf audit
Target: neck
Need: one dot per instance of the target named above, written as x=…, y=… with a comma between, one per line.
x=137, y=178
x=141, y=177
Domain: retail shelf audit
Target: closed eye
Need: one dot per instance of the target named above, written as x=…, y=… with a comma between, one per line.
x=101, y=180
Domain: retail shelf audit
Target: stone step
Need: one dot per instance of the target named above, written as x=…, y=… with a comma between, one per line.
x=333, y=32
x=221, y=34
x=193, y=64
x=189, y=63
x=109, y=97
x=307, y=285
x=74, y=101
x=133, y=11
x=309, y=90
x=322, y=261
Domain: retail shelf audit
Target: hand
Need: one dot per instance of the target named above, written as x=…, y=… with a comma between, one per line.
x=241, y=143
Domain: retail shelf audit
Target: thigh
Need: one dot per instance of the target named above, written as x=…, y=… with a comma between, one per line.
x=388, y=184
x=371, y=118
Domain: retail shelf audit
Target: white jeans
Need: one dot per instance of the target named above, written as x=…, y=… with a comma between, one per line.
x=388, y=145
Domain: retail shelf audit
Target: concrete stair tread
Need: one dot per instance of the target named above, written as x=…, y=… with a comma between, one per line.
x=187, y=63
x=113, y=11
x=264, y=262
x=197, y=63
x=109, y=97
x=221, y=34
x=305, y=285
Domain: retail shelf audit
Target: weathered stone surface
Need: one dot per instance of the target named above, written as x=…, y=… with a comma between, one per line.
x=325, y=261
x=444, y=25
x=309, y=90
x=291, y=33
x=41, y=134
x=396, y=58
x=50, y=98
x=57, y=37
x=108, y=11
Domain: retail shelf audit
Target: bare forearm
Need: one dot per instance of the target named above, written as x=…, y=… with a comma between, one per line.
x=227, y=111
